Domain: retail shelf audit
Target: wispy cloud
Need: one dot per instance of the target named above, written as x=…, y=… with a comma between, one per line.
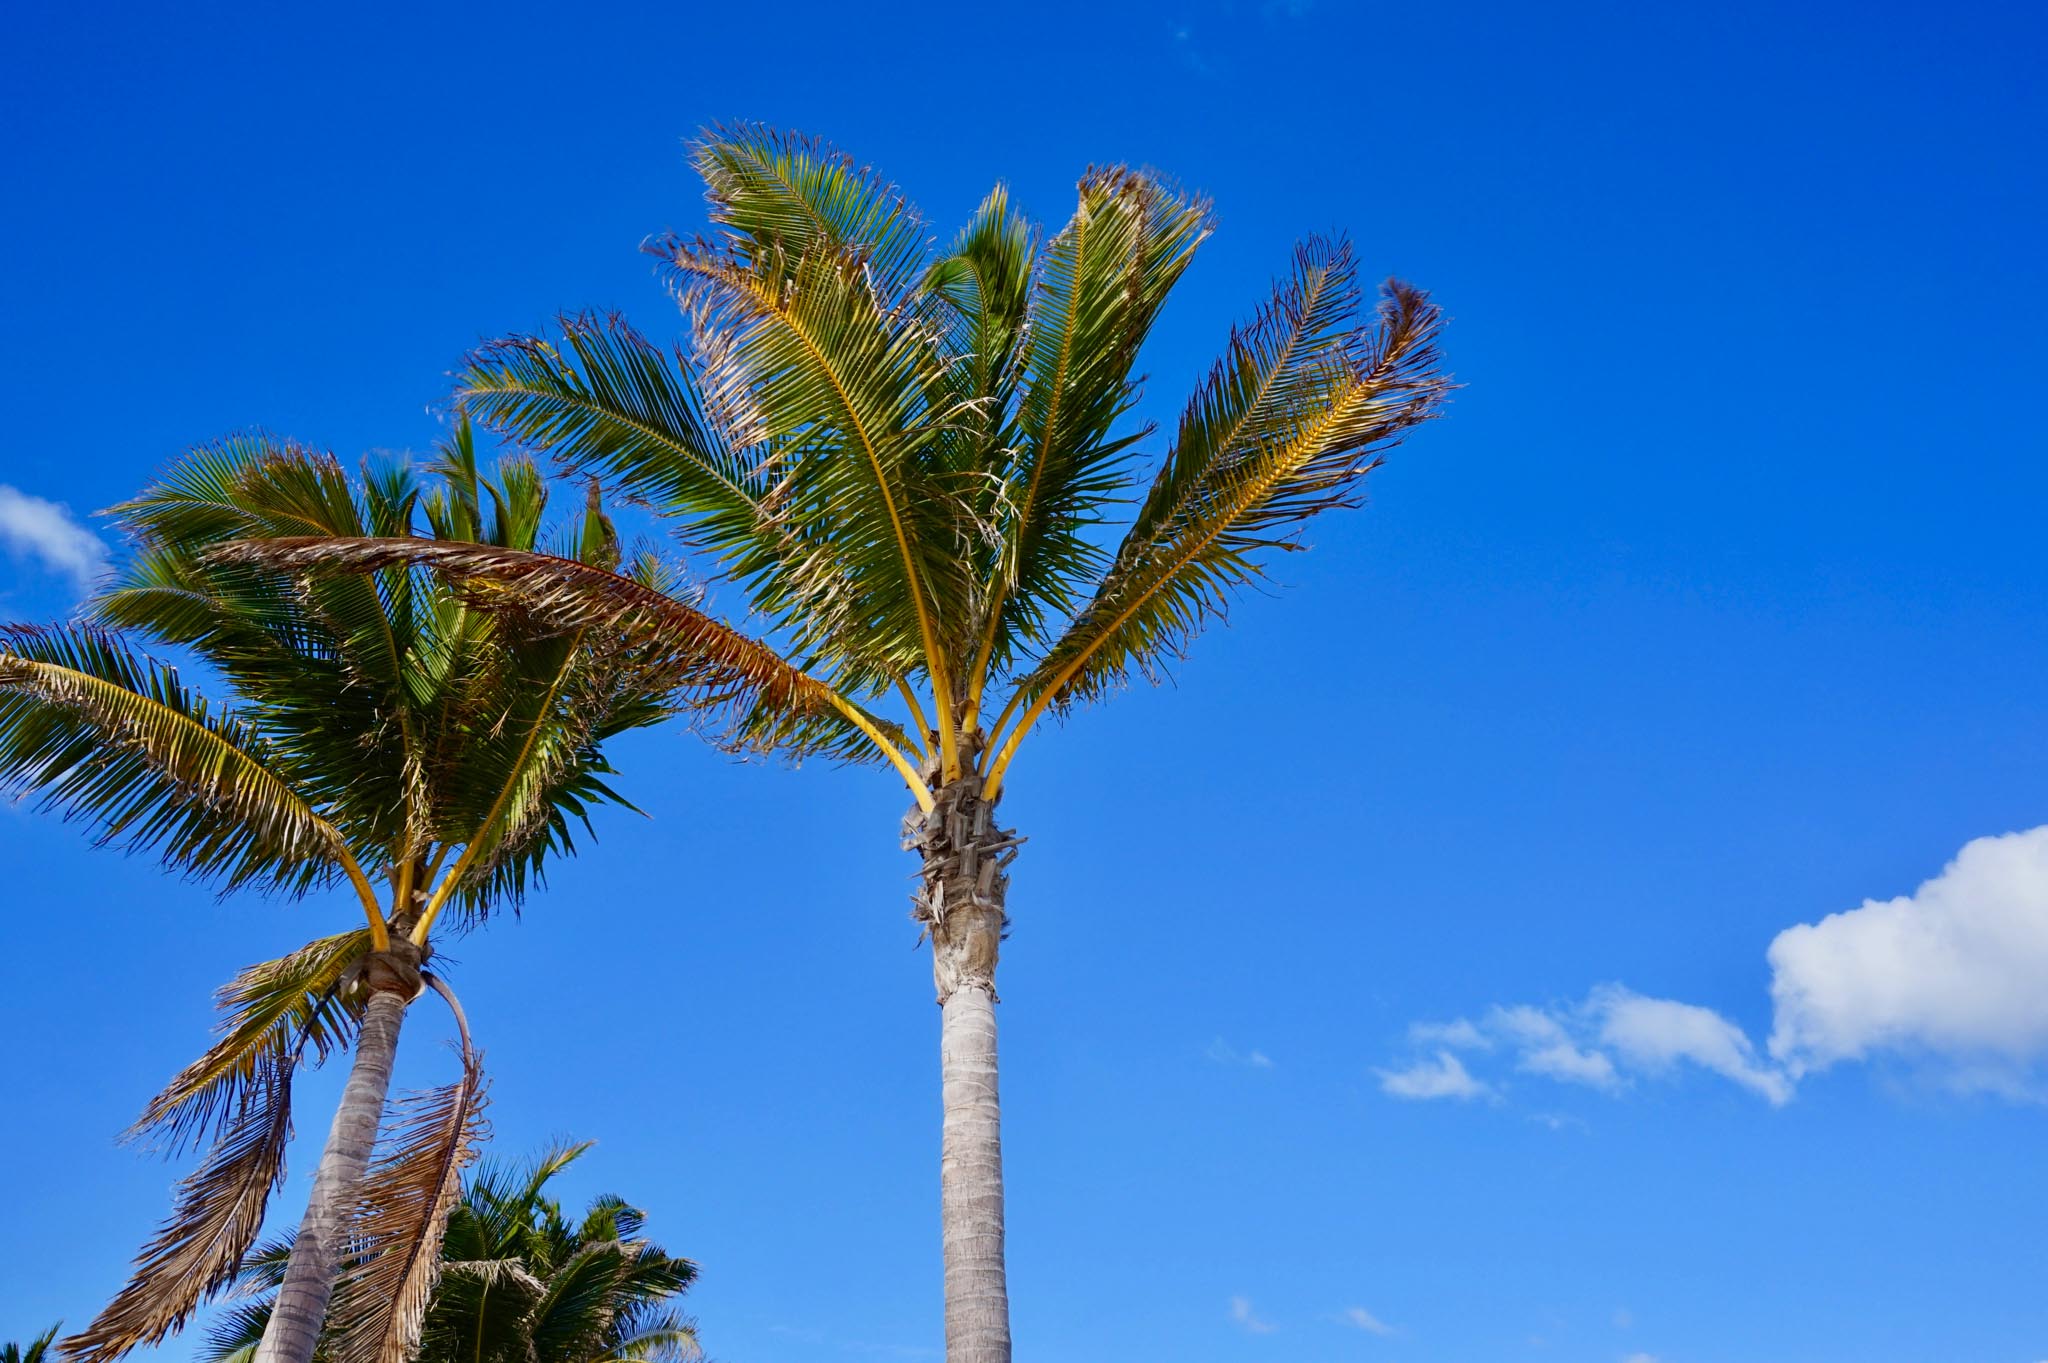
x=1189, y=53
x=1655, y=1034
x=1223, y=1053
x=1462, y=1034
x=1600, y=1043
x=1241, y=1312
x=1440, y=1076
x=47, y=531
x=1361, y=1319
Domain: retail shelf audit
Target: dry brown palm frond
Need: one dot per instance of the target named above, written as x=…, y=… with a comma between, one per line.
x=271, y=1011
x=695, y=651
x=219, y=1210
x=381, y=1300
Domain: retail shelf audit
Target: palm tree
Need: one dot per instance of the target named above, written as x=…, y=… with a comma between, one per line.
x=387, y=734
x=36, y=1351
x=519, y=1282
x=903, y=458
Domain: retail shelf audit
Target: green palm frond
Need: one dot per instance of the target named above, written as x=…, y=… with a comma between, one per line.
x=843, y=391
x=611, y=1217
x=575, y=1314
x=255, y=486
x=322, y=668
x=666, y=1337
x=219, y=1209
x=233, y=1335
x=104, y=734
x=1100, y=285
x=35, y=1351
x=271, y=1014
x=481, y=1313
x=1290, y=421
x=608, y=401
x=779, y=192
x=985, y=281
x=381, y=1301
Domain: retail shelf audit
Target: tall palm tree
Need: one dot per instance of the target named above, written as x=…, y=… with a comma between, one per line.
x=388, y=737
x=903, y=457
x=520, y=1282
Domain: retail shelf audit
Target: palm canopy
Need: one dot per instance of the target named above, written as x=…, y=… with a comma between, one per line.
x=383, y=728
x=382, y=724
x=520, y=1281
x=904, y=455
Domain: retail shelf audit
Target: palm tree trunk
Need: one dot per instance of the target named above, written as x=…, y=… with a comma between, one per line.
x=961, y=907
x=301, y=1307
x=971, y=1181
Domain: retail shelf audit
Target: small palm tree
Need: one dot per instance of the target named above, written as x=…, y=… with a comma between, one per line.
x=904, y=459
x=36, y=1351
x=387, y=734
x=519, y=1282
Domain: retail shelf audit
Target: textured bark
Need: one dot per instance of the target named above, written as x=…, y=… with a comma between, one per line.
x=295, y=1322
x=960, y=904
x=971, y=1181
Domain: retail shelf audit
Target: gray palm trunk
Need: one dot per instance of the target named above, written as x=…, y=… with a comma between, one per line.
x=960, y=904
x=293, y=1332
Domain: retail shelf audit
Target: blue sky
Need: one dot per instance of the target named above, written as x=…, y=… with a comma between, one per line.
x=1442, y=968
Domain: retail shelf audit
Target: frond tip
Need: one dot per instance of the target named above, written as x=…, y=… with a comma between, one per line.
x=198, y=1253
x=102, y=733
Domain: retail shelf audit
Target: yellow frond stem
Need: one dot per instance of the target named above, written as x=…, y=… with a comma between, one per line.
x=405, y=873
x=995, y=732
x=918, y=788
x=921, y=726
x=1001, y=763
x=380, y=937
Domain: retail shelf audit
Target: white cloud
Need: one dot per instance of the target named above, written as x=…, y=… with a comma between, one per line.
x=1241, y=1312
x=1655, y=1034
x=1957, y=969
x=1954, y=973
x=1547, y=1048
x=1461, y=1034
x=1443, y=1077
x=1223, y=1053
x=46, y=531
x=1640, y=1358
x=1598, y=1043
x=1360, y=1318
